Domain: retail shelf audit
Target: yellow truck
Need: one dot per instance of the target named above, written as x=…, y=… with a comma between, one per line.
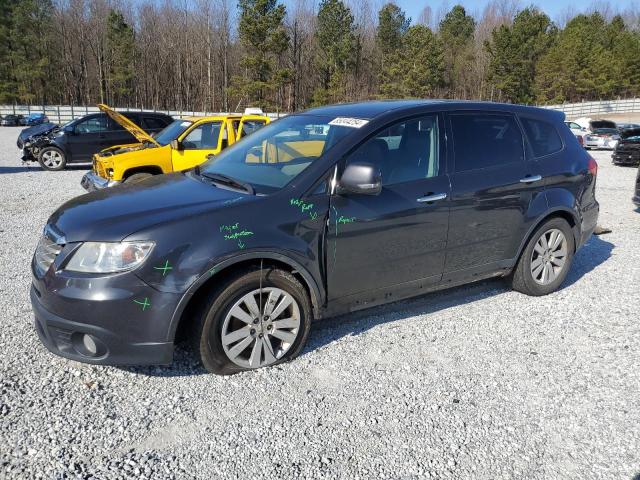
x=182, y=145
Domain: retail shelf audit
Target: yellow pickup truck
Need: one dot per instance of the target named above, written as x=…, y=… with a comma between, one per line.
x=182, y=145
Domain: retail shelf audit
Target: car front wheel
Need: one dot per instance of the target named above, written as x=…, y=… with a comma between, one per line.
x=52, y=158
x=546, y=260
x=259, y=319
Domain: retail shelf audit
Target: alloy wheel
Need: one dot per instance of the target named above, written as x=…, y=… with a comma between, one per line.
x=52, y=158
x=549, y=256
x=260, y=327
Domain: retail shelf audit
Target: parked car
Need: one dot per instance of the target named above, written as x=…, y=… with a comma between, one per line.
x=320, y=213
x=577, y=130
x=11, y=120
x=627, y=126
x=627, y=151
x=36, y=119
x=636, y=196
x=603, y=138
x=55, y=146
x=180, y=146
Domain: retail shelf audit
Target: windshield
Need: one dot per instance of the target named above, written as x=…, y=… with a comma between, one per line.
x=171, y=132
x=277, y=153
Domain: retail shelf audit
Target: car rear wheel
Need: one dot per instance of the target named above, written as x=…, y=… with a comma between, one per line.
x=52, y=159
x=546, y=260
x=259, y=319
x=137, y=177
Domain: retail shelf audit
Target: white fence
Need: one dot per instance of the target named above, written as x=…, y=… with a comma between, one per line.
x=572, y=110
x=65, y=113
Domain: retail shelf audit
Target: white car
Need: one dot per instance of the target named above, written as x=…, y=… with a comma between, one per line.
x=605, y=138
x=578, y=130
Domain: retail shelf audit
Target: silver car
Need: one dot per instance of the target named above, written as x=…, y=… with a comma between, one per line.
x=603, y=138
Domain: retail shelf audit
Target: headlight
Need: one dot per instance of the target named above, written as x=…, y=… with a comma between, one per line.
x=100, y=257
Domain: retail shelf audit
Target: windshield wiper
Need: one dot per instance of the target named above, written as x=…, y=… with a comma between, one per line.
x=230, y=181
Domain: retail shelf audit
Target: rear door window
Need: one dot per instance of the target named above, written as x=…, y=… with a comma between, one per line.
x=543, y=137
x=95, y=124
x=153, y=123
x=483, y=140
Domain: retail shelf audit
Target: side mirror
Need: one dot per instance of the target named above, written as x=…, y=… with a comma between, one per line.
x=175, y=145
x=361, y=179
x=70, y=130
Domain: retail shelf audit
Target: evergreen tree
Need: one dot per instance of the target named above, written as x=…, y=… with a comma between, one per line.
x=25, y=54
x=514, y=52
x=392, y=26
x=423, y=63
x=579, y=64
x=264, y=39
x=120, y=53
x=336, y=46
x=456, y=32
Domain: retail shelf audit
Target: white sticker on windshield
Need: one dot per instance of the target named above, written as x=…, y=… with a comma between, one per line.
x=185, y=124
x=348, y=122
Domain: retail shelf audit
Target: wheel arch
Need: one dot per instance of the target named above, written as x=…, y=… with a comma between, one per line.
x=193, y=298
x=556, y=212
x=152, y=169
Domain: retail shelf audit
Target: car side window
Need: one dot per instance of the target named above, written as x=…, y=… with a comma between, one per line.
x=153, y=123
x=203, y=137
x=250, y=126
x=482, y=140
x=93, y=125
x=543, y=137
x=403, y=152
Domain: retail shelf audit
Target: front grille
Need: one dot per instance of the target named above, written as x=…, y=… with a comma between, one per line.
x=98, y=168
x=46, y=252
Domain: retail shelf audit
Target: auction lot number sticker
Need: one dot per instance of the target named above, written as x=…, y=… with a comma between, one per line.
x=348, y=122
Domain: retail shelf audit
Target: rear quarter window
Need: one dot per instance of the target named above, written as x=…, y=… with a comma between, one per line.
x=543, y=137
x=482, y=140
x=153, y=123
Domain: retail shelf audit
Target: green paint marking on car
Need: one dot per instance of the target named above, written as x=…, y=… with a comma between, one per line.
x=145, y=303
x=165, y=268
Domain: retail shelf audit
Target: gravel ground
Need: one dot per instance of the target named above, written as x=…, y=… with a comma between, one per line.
x=474, y=382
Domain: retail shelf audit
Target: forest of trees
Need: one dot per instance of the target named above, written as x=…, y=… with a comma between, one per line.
x=223, y=55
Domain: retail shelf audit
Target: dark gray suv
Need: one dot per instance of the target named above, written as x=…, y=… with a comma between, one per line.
x=320, y=213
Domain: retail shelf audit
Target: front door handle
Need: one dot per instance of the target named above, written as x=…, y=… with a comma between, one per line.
x=531, y=179
x=432, y=197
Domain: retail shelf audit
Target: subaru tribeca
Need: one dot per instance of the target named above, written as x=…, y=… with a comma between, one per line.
x=321, y=213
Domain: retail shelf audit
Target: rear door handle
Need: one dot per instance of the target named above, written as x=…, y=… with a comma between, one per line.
x=531, y=179
x=432, y=198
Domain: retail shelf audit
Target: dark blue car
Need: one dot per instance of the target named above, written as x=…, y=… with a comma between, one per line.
x=35, y=119
x=320, y=213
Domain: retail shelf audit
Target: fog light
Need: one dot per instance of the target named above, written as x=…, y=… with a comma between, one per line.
x=89, y=344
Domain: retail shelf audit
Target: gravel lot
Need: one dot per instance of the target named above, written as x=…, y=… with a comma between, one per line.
x=474, y=382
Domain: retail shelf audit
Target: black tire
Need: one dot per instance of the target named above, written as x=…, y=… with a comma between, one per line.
x=137, y=177
x=52, y=159
x=206, y=337
x=522, y=279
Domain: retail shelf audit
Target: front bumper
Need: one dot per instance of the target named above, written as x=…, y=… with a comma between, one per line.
x=107, y=320
x=66, y=338
x=92, y=182
x=620, y=158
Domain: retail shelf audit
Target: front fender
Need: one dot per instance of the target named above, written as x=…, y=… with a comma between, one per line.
x=316, y=289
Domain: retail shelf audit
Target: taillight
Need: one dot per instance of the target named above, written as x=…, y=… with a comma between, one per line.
x=592, y=166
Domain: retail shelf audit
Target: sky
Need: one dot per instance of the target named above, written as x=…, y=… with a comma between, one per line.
x=554, y=8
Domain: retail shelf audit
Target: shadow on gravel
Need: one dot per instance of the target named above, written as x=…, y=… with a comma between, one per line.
x=323, y=332
x=36, y=168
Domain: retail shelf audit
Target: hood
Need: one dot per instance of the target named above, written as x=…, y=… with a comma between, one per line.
x=128, y=125
x=112, y=214
x=630, y=132
x=595, y=124
x=41, y=129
